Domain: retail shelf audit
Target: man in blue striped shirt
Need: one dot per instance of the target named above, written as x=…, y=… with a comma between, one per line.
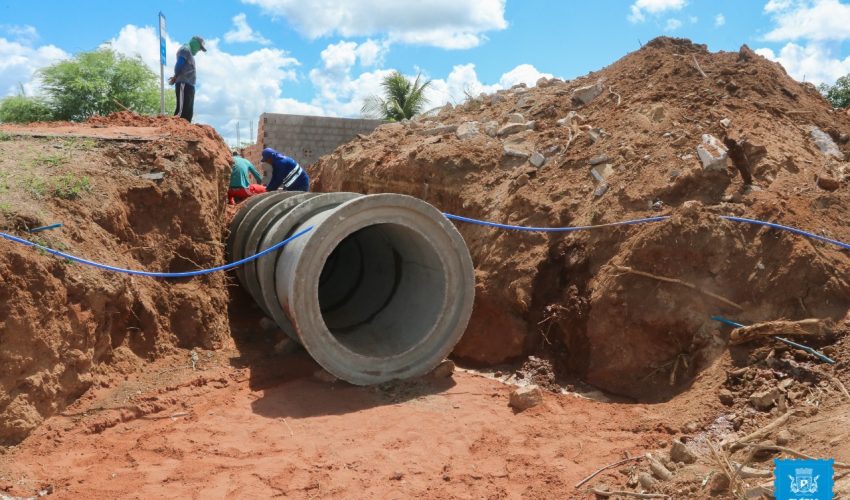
x=286, y=173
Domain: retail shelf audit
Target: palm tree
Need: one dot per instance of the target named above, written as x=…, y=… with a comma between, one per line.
x=402, y=98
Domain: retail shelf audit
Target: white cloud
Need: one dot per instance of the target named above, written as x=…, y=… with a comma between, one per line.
x=639, y=9
x=672, y=24
x=242, y=32
x=19, y=63
x=818, y=20
x=812, y=62
x=25, y=34
x=524, y=73
x=450, y=24
x=719, y=20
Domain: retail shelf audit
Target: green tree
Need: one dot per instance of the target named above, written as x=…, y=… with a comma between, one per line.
x=23, y=109
x=838, y=94
x=402, y=98
x=98, y=83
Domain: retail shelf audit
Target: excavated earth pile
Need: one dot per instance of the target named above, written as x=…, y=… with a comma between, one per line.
x=647, y=136
x=134, y=192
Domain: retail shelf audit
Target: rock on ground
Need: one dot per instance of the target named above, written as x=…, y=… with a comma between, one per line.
x=523, y=398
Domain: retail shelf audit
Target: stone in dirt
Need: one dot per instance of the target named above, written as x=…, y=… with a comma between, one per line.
x=516, y=118
x=444, y=370
x=764, y=400
x=712, y=153
x=784, y=437
x=726, y=397
x=522, y=180
x=596, y=160
x=658, y=469
x=679, y=452
x=646, y=481
x=441, y=130
x=828, y=183
x=584, y=95
x=537, y=159
x=516, y=153
x=825, y=143
x=491, y=128
x=467, y=130
x=726, y=122
x=523, y=398
x=718, y=483
x=510, y=129
x=658, y=112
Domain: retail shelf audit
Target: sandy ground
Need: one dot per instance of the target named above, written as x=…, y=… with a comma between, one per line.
x=262, y=425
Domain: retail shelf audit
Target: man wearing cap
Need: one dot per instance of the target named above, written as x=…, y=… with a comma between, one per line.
x=286, y=173
x=184, y=77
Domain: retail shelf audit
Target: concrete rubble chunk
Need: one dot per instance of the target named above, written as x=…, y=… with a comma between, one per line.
x=467, y=130
x=537, y=159
x=726, y=122
x=658, y=469
x=712, y=153
x=584, y=95
x=596, y=160
x=516, y=153
x=510, y=129
x=825, y=143
x=491, y=128
x=444, y=370
x=679, y=452
x=602, y=172
x=764, y=400
x=523, y=398
x=440, y=130
x=602, y=189
x=516, y=118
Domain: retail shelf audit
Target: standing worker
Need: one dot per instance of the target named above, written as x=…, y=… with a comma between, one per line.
x=286, y=173
x=240, y=185
x=184, y=77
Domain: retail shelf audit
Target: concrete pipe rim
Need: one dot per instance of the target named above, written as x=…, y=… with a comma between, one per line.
x=403, y=220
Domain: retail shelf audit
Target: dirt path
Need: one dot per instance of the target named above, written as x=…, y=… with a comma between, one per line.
x=251, y=428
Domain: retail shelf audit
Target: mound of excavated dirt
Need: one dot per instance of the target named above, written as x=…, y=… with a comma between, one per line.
x=65, y=326
x=618, y=144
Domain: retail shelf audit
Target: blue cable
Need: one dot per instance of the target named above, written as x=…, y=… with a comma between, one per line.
x=787, y=228
x=554, y=229
x=155, y=274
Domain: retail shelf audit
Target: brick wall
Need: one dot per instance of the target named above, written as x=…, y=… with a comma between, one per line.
x=305, y=138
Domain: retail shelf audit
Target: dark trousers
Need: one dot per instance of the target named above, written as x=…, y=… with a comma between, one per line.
x=185, y=101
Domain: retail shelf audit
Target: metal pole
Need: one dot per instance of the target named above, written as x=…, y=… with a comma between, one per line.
x=160, y=22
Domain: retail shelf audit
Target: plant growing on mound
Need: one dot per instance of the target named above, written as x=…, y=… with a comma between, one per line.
x=98, y=83
x=838, y=94
x=402, y=98
x=71, y=187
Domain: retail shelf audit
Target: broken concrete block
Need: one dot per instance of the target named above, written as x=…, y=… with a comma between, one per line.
x=444, y=370
x=467, y=130
x=825, y=143
x=712, y=153
x=537, y=159
x=516, y=153
x=154, y=176
x=764, y=400
x=523, y=398
x=596, y=160
x=440, y=130
x=679, y=452
x=602, y=172
x=511, y=128
x=516, y=118
x=583, y=95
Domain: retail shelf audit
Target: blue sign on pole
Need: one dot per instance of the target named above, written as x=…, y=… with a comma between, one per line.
x=161, y=39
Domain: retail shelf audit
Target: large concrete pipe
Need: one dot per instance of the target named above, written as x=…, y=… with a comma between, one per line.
x=381, y=288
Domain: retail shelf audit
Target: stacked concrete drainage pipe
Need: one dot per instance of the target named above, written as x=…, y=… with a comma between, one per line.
x=380, y=289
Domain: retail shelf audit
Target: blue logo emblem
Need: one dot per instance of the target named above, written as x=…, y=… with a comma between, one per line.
x=803, y=479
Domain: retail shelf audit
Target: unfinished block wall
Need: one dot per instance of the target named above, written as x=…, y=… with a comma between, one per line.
x=305, y=138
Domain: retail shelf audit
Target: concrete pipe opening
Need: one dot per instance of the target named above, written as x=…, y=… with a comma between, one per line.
x=381, y=288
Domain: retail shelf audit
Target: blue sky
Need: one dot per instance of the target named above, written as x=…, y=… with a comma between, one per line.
x=325, y=56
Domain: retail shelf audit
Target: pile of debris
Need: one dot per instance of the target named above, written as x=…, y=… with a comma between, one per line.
x=671, y=129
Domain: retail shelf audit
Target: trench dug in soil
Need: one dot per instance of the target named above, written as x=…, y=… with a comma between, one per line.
x=111, y=384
